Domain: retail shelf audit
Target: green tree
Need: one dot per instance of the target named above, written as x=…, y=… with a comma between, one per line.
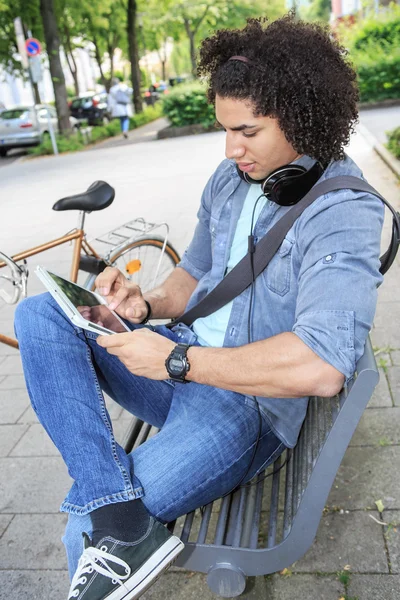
x=317, y=10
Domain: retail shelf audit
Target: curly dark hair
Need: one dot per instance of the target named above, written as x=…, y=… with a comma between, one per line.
x=298, y=73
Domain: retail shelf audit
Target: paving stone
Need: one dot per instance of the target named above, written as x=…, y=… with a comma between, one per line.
x=34, y=585
x=389, y=291
x=186, y=585
x=378, y=427
x=13, y=404
x=34, y=542
x=32, y=485
x=381, y=396
x=366, y=475
x=382, y=319
x=309, y=587
x=392, y=535
x=6, y=350
x=5, y=520
x=9, y=437
x=29, y=416
x=384, y=358
x=13, y=382
x=374, y=587
x=395, y=356
x=388, y=336
x=394, y=382
x=351, y=538
x=35, y=442
x=11, y=365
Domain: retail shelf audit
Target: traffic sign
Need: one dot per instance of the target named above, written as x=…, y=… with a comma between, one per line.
x=36, y=68
x=33, y=47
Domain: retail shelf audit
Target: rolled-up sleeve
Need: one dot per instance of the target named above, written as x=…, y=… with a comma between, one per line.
x=338, y=278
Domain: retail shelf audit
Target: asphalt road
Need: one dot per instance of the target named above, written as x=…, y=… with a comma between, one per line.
x=12, y=156
x=380, y=120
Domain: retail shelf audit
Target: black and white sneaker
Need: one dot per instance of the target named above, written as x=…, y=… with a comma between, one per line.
x=115, y=570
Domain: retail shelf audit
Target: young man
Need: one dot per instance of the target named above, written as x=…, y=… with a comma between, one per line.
x=285, y=95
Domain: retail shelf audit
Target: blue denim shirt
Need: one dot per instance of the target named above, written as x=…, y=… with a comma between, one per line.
x=321, y=284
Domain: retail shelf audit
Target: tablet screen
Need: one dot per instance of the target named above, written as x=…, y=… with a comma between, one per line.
x=88, y=305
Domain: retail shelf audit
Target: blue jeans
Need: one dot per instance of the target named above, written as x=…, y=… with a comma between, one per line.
x=203, y=450
x=124, y=123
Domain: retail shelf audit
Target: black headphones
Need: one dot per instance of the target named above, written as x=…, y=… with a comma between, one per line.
x=287, y=185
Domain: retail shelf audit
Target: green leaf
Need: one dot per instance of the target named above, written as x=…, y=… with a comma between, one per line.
x=379, y=505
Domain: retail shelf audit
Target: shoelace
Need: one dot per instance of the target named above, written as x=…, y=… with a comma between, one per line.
x=95, y=559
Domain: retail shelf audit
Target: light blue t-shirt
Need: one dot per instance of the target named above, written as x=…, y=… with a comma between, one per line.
x=211, y=330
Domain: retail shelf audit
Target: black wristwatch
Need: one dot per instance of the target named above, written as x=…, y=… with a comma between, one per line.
x=177, y=363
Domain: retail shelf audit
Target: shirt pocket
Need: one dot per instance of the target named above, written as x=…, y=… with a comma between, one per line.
x=278, y=272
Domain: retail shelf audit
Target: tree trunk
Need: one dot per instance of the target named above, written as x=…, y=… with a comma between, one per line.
x=134, y=56
x=71, y=60
x=191, y=34
x=104, y=80
x=53, y=52
x=110, y=49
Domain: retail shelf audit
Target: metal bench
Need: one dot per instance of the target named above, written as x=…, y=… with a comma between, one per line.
x=231, y=538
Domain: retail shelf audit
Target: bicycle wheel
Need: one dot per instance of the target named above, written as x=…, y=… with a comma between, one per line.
x=144, y=263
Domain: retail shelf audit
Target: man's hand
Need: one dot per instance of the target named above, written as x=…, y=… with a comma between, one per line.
x=142, y=351
x=122, y=296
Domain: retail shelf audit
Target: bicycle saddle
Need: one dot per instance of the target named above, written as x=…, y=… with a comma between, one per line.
x=98, y=196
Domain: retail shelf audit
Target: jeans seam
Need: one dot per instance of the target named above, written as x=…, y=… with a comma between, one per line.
x=126, y=479
x=225, y=468
x=132, y=495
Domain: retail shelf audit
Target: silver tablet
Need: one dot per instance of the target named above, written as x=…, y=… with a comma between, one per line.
x=85, y=309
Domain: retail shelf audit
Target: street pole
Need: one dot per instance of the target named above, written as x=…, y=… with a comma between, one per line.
x=20, y=36
x=35, y=86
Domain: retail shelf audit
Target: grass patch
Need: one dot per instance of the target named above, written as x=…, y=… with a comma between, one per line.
x=344, y=577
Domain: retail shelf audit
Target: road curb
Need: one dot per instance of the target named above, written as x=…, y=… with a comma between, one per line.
x=380, y=149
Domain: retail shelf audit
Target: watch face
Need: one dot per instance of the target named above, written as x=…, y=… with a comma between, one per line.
x=175, y=365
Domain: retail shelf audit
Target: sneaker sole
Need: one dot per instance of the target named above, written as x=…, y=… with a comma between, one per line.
x=150, y=571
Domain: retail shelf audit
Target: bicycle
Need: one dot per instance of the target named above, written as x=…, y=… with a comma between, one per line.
x=136, y=248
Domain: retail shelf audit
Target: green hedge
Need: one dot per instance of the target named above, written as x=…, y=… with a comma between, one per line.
x=188, y=105
x=394, y=142
x=76, y=141
x=374, y=46
x=380, y=29
x=378, y=72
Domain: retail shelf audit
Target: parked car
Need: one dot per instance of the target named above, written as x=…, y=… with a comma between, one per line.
x=25, y=126
x=91, y=108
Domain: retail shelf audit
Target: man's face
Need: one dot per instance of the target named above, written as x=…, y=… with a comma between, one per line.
x=257, y=144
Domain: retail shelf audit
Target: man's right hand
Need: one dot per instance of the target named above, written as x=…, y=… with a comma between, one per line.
x=122, y=296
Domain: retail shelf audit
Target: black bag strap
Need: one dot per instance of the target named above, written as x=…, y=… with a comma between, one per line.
x=241, y=276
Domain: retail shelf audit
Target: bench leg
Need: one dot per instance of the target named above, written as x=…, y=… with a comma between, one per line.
x=226, y=581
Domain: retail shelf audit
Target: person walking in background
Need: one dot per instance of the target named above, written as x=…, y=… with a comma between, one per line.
x=119, y=101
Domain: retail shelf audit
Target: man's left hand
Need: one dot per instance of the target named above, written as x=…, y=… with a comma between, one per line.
x=142, y=351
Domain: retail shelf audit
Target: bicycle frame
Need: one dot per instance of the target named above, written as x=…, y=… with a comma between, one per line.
x=80, y=244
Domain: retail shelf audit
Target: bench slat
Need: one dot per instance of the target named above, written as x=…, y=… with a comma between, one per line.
x=273, y=515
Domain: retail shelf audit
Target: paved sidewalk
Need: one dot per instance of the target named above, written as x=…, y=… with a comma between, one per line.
x=354, y=556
